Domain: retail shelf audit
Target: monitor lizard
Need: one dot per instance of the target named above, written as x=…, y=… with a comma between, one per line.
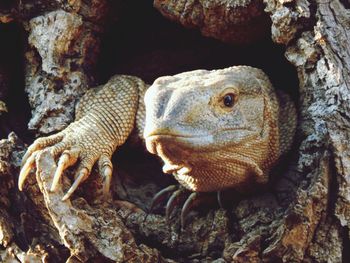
x=213, y=130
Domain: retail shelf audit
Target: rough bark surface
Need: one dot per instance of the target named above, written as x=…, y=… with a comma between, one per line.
x=231, y=21
x=303, y=217
x=61, y=53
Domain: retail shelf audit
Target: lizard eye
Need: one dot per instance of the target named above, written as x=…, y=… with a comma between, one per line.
x=229, y=100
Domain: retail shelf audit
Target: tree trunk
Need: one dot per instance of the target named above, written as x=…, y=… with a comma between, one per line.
x=69, y=46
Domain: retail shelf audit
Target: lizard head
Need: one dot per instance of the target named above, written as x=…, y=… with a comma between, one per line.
x=213, y=129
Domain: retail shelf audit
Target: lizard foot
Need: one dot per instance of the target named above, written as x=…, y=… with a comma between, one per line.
x=178, y=195
x=69, y=148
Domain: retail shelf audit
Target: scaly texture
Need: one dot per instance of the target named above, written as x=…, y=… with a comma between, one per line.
x=104, y=119
x=210, y=144
x=213, y=129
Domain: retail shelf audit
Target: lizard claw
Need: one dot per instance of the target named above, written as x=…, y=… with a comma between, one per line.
x=68, y=150
x=67, y=159
x=106, y=170
x=180, y=195
x=29, y=158
x=193, y=200
x=174, y=200
x=161, y=196
x=103, y=123
x=219, y=198
x=107, y=177
x=26, y=167
x=83, y=174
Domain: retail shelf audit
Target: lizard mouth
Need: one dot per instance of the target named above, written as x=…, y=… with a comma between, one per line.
x=175, y=135
x=182, y=145
x=175, y=142
x=203, y=141
x=187, y=135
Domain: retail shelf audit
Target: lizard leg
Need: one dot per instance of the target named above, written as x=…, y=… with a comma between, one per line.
x=105, y=117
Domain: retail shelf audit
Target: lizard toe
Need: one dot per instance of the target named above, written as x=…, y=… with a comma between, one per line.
x=26, y=167
x=67, y=159
x=41, y=143
x=58, y=148
x=81, y=177
x=105, y=167
x=83, y=172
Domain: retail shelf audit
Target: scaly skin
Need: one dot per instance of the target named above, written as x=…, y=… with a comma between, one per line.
x=213, y=129
x=105, y=116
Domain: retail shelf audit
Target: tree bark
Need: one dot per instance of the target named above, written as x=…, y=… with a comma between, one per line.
x=303, y=217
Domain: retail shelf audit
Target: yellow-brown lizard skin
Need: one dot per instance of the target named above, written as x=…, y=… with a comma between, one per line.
x=213, y=129
x=105, y=116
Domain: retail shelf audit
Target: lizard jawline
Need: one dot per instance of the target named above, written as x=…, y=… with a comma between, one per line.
x=154, y=143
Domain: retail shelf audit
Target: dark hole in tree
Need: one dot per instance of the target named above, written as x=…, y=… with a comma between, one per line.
x=346, y=3
x=6, y=4
x=12, y=89
x=144, y=43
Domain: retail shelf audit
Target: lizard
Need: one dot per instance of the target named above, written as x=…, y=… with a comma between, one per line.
x=213, y=129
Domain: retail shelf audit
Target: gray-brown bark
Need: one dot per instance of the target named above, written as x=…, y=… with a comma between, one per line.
x=303, y=217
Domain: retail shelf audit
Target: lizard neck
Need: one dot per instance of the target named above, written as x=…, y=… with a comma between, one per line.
x=213, y=171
